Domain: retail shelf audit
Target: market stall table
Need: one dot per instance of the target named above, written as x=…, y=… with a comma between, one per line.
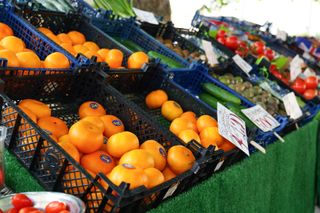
x=283, y=180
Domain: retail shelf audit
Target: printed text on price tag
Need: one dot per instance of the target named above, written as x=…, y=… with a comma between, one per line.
x=232, y=128
x=245, y=67
x=261, y=118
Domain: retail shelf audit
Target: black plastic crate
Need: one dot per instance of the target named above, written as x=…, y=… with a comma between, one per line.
x=54, y=168
x=62, y=23
x=136, y=85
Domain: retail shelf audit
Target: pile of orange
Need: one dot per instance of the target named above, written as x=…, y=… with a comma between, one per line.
x=14, y=50
x=75, y=42
x=186, y=125
x=99, y=142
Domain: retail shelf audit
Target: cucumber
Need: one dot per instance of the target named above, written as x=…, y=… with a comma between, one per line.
x=209, y=99
x=164, y=59
x=220, y=94
x=129, y=44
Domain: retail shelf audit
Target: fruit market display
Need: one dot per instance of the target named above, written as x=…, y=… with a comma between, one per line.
x=14, y=50
x=76, y=43
x=186, y=125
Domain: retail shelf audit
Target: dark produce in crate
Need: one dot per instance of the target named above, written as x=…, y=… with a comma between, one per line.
x=56, y=167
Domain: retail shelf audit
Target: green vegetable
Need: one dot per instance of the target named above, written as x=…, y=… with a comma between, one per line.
x=168, y=61
x=301, y=103
x=210, y=100
x=123, y=8
x=220, y=94
x=281, y=62
x=129, y=44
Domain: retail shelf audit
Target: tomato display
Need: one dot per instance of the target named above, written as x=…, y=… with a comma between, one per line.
x=56, y=207
x=309, y=94
x=312, y=82
x=232, y=42
x=299, y=85
x=20, y=201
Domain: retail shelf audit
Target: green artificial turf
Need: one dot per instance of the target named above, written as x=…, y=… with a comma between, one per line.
x=283, y=180
x=17, y=177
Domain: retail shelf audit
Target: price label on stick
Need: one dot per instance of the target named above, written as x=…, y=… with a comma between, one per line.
x=146, y=16
x=245, y=67
x=295, y=67
x=261, y=118
x=291, y=105
x=281, y=35
x=208, y=49
x=232, y=128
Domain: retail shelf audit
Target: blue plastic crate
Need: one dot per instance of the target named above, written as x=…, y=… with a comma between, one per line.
x=191, y=81
x=129, y=30
x=33, y=39
x=63, y=23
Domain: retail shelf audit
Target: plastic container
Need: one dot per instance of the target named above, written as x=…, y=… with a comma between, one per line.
x=55, y=169
x=63, y=23
x=127, y=29
x=32, y=38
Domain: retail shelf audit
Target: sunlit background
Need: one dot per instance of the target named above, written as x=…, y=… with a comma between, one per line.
x=296, y=17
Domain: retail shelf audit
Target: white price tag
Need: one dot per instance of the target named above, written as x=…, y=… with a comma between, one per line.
x=261, y=118
x=295, y=67
x=171, y=190
x=307, y=73
x=242, y=64
x=232, y=128
x=219, y=165
x=291, y=105
x=146, y=16
x=281, y=35
x=211, y=55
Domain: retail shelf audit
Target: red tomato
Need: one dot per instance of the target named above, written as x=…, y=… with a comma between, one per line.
x=242, y=51
x=269, y=54
x=12, y=210
x=312, y=82
x=309, y=94
x=221, y=33
x=243, y=44
x=232, y=42
x=273, y=67
x=56, y=207
x=28, y=210
x=276, y=74
x=20, y=201
x=64, y=211
x=299, y=85
x=1, y=211
x=259, y=44
x=221, y=40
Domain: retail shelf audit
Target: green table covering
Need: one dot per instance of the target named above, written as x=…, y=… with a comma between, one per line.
x=283, y=180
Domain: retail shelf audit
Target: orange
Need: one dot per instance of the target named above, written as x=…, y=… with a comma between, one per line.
x=28, y=60
x=168, y=174
x=95, y=120
x=89, y=54
x=205, y=121
x=180, y=124
x=64, y=38
x=156, y=98
x=24, y=124
x=103, y=52
x=91, y=108
x=98, y=161
x=54, y=125
x=69, y=48
x=171, y=110
x=190, y=116
x=85, y=136
x=27, y=50
x=189, y=135
x=114, y=58
x=122, y=142
x=128, y=174
x=112, y=125
x=158, y=153
x=5, y=30
x=53, y=37
x=210, y=136
x=70, y=149
x=45, y=30
x=139, y=158
x=137, y=60
x=75, y=182
x=180, y=159
x=227, y=146
x=13, y=44
x=76, y=37
x=38, y=108
x=12, y=60
x=64, y=138
x=92, y=46
x=155, y=177
x=56, y=60
x=80, y=49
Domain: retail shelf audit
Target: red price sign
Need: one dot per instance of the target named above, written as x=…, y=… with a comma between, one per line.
x=232, y=128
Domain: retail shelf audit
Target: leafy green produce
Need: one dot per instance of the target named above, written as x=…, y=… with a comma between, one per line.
x=123, y=8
